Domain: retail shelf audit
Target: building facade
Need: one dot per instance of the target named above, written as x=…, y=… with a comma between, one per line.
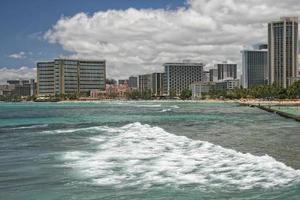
x=180, y=76
x=158, y=84
x=228, y=84
x=45, y=79
x=23, y=87
x=133, y=82
x=283, y=51
x=122, y=81
x=6, y=90
x=205, y=76
x=65, y=76
x=145, y=82
x=213, y=75
x=226, y=71
x=254, y=68
x=199, y=89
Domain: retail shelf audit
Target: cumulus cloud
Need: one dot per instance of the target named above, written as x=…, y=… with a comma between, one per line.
x=140, y=41
x=19, y=73
x=20, y=55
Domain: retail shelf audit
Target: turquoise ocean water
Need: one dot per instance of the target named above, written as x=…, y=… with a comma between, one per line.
x=146, y=150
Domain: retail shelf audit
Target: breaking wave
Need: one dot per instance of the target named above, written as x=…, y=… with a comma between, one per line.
x=146, y=156
x=31, y=126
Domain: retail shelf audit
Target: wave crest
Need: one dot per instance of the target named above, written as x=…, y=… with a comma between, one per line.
x=144, y=155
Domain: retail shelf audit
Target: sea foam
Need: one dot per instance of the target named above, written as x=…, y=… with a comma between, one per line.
x=147, y=156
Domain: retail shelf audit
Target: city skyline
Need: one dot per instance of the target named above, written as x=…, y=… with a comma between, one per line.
x=201, y=36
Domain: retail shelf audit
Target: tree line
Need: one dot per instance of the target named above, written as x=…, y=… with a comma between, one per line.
x=259, y=92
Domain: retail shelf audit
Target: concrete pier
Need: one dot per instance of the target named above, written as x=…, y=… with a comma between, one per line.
x=269, y=109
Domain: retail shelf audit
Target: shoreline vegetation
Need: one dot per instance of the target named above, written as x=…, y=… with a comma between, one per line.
x=281, y=102
x=258, y=95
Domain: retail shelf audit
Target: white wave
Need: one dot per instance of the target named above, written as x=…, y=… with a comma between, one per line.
x=133, y=104
x=166, y=110
x=31, y=127
x=147, y=156
x=94, y=128
x=147, y=105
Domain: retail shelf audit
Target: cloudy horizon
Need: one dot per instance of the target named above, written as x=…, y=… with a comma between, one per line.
x=139, y=40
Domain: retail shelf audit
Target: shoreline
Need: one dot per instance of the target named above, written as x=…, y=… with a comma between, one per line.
x=287, y=102
x=245, y=102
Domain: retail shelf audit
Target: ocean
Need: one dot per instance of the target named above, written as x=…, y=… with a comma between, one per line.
x=146, y=150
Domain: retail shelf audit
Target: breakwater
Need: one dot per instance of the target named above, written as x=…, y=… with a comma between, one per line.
x=268, y=108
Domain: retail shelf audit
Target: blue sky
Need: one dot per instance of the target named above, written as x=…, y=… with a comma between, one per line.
x=137, y=37
x=24, y=22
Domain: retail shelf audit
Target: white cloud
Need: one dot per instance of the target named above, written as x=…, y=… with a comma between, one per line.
x=20, y=55
x=19, y=73
x=139, y=41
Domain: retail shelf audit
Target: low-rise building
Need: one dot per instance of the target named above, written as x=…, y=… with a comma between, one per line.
x=228, y=84
x=199, y=89
x=116, y=91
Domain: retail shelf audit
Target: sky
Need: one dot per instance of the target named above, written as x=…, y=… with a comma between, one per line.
x=133, y=36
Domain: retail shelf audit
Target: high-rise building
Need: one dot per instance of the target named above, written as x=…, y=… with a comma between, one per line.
x=213, y=75
x=122, y=81
x=254, y=68
x=45, y=78
x=145, y=82
x=226, y=71
x=65, y=76
x=22, y=87
x=205, y=76
x=283, y=51
x=133, y=82
x=263, y=46
x=158, y=84
x=180, y=76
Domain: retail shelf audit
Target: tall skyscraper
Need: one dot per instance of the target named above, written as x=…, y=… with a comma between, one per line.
x=205, y=76
x=180, y=76
x=145, y=82
x=283, y=51
x=133, y=82
x=158, y=84
x=254, y=68
x=213, y=75
x=226, y=71
x=65, y=76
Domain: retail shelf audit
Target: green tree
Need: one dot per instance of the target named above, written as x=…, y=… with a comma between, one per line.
x=147, y=95
x=135, y=94
x=173, y=93
x=294, y=90
x=185, y=94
